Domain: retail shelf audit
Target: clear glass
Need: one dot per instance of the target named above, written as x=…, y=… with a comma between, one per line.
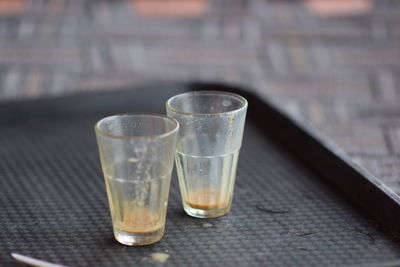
x=209, y=140
x=136, y=154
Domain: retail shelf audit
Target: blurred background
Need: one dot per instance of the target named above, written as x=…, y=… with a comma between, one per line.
x=334, y=64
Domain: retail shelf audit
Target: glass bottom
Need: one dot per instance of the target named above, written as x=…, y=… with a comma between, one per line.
x=206, y=213
x=138, y=239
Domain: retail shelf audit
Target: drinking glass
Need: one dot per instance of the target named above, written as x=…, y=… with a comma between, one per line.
x=136, y=154
x=209, y=140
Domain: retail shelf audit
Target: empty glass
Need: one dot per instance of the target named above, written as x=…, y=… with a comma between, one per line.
x=209, y=140
x=136, y=153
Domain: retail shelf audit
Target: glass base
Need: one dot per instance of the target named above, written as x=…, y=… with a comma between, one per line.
x=206, y=213
x=135, y=239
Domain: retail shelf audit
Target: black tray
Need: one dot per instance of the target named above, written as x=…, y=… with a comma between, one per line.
x=53, y=202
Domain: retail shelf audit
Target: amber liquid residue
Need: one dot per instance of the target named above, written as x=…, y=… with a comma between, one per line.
x=207, y=199
x=139, y=221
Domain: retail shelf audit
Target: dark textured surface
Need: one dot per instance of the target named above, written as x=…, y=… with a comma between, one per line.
x=54, y=206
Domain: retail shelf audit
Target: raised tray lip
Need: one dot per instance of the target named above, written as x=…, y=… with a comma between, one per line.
x=358, y=184
x=330, y=145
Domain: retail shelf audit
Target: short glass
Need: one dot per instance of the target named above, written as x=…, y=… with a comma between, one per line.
x=209, y=140
x=136, y=154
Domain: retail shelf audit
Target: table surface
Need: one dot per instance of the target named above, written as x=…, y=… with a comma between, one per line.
x=54, y=205
x=334, y=65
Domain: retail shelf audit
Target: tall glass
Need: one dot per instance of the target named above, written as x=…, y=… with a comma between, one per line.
x=136, y=154
x=209, y=140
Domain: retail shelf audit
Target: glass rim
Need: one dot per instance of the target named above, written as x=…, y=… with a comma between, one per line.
x=241, y=98
x=137, y=137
